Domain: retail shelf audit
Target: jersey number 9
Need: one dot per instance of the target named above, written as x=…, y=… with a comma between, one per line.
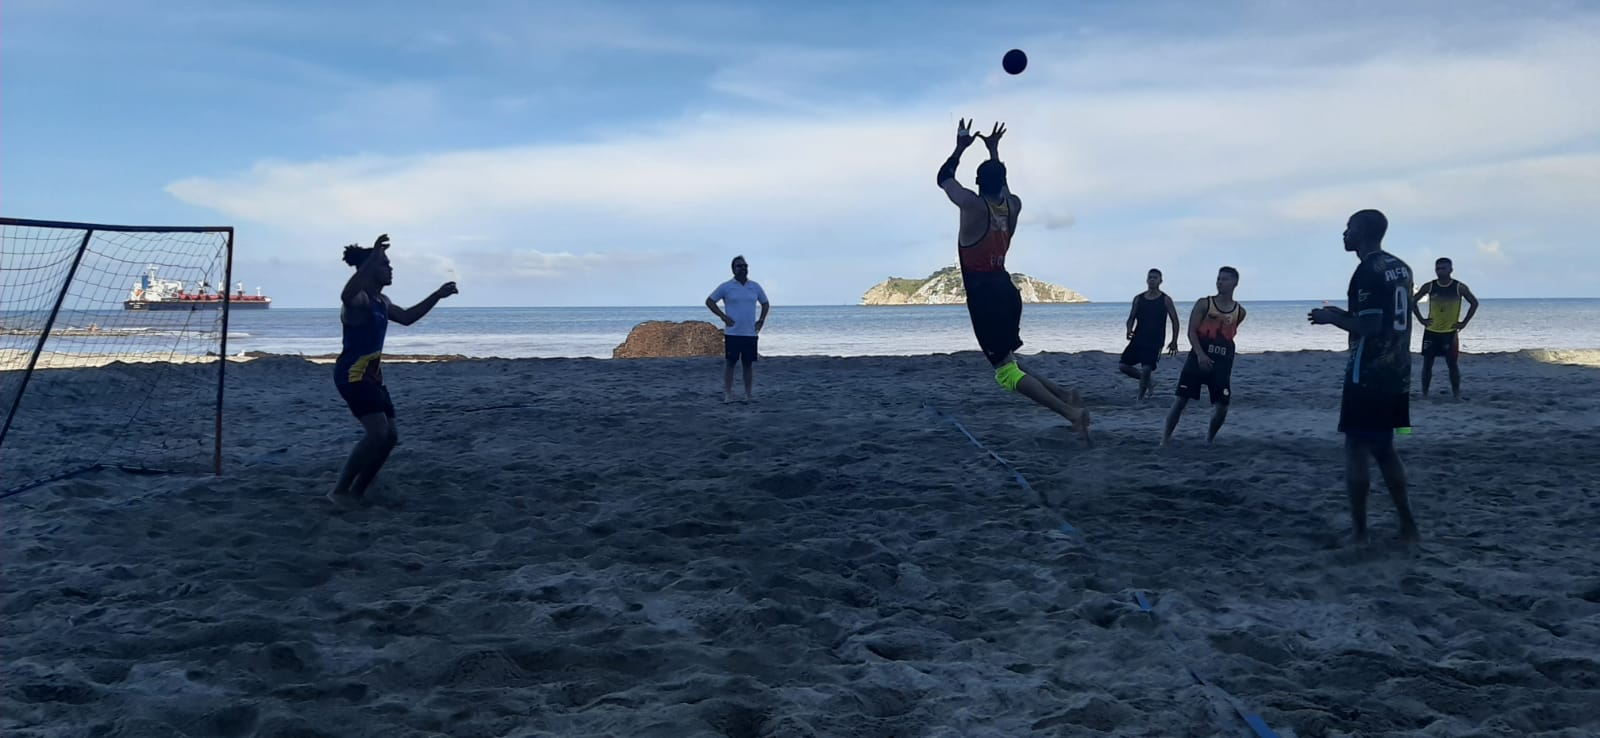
x=1402, y=308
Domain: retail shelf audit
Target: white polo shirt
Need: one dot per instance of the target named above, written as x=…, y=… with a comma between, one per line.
x=739, y=302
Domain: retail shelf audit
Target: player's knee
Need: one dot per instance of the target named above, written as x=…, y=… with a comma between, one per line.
x=1009, y=375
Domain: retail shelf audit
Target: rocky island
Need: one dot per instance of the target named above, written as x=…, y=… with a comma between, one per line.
x=944, y=288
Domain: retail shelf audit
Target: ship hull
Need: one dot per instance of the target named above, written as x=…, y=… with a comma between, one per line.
x=194, y=305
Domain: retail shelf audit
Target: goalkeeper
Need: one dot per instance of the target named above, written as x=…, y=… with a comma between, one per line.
x=358, y=374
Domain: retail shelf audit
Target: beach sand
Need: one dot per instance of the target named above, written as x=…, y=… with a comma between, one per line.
x=594, y=547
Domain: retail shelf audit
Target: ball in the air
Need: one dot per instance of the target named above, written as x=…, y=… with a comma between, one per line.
x=1015, y=61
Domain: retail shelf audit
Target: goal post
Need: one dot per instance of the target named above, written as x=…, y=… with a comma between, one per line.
x=107, y=336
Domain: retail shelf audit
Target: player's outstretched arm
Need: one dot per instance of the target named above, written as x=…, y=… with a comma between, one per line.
x=407, y=316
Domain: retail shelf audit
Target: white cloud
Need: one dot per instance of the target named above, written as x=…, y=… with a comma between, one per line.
x=1492, y=250
x=1547, y=185
x=1109, y=148
x=1159, y=147
x=532, y=264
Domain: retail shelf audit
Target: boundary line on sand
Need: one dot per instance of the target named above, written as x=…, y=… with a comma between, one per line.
x=1251, y=719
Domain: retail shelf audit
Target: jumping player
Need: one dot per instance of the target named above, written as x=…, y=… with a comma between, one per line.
x=988, y=221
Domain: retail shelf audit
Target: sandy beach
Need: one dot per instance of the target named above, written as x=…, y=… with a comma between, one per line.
x=574, y=547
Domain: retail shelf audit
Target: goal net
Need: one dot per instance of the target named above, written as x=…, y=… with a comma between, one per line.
x=111, y=346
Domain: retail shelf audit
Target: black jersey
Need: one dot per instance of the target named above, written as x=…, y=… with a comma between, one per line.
x=1381, y=364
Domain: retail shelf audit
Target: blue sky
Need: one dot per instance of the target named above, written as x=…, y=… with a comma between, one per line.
x=621, y=153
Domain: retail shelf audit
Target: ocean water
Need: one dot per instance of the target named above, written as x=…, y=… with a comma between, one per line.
x=838, y=330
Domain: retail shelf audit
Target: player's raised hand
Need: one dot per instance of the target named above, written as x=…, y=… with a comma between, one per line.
x=992, y=139
x=964, y=135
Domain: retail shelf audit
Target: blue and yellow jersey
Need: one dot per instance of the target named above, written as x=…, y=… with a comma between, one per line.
x=360, y=359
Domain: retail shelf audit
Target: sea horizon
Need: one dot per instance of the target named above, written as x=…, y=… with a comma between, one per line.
x=1501, y=325
x=1124, y=302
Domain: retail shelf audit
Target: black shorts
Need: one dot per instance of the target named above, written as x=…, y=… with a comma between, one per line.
x=1145, y=354
x=995, y=306
x=737, y=348
x=366, y=398
x=1440, y=344
x=1219, y=380
x=1366, y=411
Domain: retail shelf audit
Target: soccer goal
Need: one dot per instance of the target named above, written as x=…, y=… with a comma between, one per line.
x=113, y=341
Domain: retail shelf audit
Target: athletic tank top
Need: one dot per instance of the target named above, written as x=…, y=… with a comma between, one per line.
x=360, y=359
x=1151, y=319
x=1217, y=330
x=989, y=253
x=1444, y=306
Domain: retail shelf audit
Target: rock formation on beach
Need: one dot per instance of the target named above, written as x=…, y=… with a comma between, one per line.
x=664, y=338
x=944, y=288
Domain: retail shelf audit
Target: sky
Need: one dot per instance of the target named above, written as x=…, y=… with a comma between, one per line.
x=615, y=153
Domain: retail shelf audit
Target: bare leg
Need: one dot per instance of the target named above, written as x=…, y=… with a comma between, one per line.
x=1146, y=385
x=1128, y=370
x=1427, y=373
x=1064, y=402
x=1071, y=397
x=1357, y=483
x=727, y=382
x=1219, y=413
x=367, y=450
x=1034, y=388
x=1394, y=476
x=1452, y=362
x=749, y=381
x=364, y=479
x=1172, y=418
x=1068, y=396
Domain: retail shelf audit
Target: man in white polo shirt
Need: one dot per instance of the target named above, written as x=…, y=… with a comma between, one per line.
x=739, y=296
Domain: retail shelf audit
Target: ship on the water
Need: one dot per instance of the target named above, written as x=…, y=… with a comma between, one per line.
x=154, y=293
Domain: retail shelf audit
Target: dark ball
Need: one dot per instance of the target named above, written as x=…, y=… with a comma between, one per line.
x=1015, y=61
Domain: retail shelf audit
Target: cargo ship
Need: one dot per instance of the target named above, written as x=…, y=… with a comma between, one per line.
x=154, y=293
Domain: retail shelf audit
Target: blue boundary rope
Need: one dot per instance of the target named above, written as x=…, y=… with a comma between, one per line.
x=1251, y=719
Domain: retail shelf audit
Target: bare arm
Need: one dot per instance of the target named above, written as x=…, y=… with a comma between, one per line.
x=1195, y=316
x=762, y=321
x=1416, y=302
x=993, y=141
x=353, y=295
x=407, y=316
x=1172, y=313
x=1133, y=310
x=354, y=301
x=946, y=178
x=1472, y=303
x=1366, y=324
